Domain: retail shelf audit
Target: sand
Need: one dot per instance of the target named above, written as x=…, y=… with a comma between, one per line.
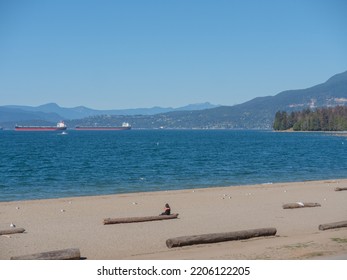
x=77, y=222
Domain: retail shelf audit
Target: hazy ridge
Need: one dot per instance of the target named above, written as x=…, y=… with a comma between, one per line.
x=257, y=113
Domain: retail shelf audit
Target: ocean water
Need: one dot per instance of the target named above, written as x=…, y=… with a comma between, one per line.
x=36, y=165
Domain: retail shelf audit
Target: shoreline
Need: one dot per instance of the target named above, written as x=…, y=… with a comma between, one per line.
x=76, y=222
x=172, y=190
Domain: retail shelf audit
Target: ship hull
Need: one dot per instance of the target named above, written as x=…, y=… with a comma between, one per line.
x=39, y=128
x=101, y=128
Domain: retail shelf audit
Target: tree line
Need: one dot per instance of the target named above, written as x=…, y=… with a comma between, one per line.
x=320, y=119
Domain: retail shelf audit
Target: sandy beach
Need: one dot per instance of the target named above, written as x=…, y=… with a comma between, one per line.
x=77, y=222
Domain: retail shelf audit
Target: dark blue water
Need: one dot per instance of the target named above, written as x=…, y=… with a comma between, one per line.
x=36, y=165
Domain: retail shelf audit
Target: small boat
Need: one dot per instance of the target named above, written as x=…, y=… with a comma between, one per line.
x=60, y=126
x=125, y=126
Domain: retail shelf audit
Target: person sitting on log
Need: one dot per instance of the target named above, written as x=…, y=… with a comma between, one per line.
x=167, y=210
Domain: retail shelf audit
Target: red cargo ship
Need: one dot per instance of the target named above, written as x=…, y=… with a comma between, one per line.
x=125, y=126
x=59, y=126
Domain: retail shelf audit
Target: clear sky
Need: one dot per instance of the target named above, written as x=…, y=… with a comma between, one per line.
x=122, y=54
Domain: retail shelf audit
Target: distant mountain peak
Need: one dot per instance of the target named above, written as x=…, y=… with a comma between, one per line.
x=338, y=78
x=49, y=105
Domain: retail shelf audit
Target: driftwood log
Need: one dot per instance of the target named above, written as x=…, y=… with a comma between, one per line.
x=66, y=254
x=300, y=205
x=11, y=231
x=340, y=189
x=219, y=237
x=333, y=225
x=110, y=221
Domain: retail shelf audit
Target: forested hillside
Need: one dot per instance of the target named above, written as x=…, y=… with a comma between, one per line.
x=321, y=119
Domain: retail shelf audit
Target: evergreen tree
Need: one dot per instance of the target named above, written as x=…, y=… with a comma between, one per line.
x=322, y=119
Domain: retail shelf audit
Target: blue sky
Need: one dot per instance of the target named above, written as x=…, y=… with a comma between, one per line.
x=142, y=53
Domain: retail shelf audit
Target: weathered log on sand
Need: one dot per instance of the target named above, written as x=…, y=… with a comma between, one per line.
x=340, y=189
x=66, y=254
x=300, y=205
x=11, y=231
x=219, y=237
x=333, y=225
x=110, y=221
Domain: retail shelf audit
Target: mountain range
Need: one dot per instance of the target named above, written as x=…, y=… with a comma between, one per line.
x=50, y=113
x=257, y=113
x=83, y=112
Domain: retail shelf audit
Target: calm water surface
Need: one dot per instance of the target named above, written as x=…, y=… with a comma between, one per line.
x=36, y=165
